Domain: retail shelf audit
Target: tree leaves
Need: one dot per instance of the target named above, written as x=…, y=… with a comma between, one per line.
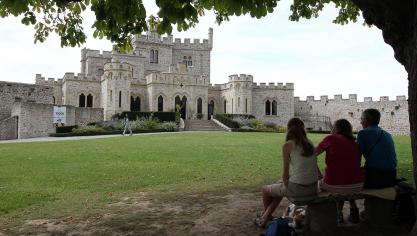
x=119, y=20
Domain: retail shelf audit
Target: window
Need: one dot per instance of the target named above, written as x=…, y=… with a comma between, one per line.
x=274, y=108
x=120, y=99
x=187, y=61
x=267, y=108
x=199, y=106
x=82, y=100
x=238, y=102
x=224, y=106
x=53, y=100
x=90, y=100
x=111, y=95
x=246, y=105
x=153, y=56
x=160, y=103
x=100, y=72
x=232, y=105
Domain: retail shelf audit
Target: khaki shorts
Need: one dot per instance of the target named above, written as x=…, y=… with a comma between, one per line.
x=289, y=189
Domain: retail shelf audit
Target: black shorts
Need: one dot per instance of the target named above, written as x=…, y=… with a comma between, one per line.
x=379, y=178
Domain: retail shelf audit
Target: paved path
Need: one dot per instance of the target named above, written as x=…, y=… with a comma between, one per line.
x=53, y=139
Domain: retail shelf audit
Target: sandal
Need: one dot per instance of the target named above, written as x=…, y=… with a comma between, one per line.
x=259, y=222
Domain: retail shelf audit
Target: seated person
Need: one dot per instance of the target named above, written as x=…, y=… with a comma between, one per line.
x=343, y=173
x=377, y=147
x=297, y=152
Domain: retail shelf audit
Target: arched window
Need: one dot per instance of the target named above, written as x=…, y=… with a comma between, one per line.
x=160, y=103
x=120, y=99
x=267, y=108
x=224, y=106
x=53, y=100
x=152, y=56
x=274, y=108
x=246, y=105
x=90, y=100
x=199, y=106
x=81, y=100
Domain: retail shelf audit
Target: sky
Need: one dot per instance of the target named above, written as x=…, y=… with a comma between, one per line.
x=319, y=57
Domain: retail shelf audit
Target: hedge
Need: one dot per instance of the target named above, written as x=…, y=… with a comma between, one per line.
x=242, y=116
x=133, y=115
x=65, y=129
x=229, y=122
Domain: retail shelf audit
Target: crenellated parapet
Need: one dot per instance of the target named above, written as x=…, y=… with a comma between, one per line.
x=153, y=37
x=47, y=82
x=177, y=79
x=86, y=53
x=287, y=86
x=351, y=97
x=241, y=78
x=117, y=70
x=196, y=44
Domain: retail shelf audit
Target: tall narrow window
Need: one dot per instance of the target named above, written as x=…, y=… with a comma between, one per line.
x=82, y=100
x=160, y=103
x=120, y=99
x=90, y=100
x=274, y=108
x=111, y=95
x=267, y=108
x=246, y=105
x=238, y=102
x=232, y=105
x=152, y=56
x=199, y=106
x=53, y=100
x=224, y=106
x=156, y=57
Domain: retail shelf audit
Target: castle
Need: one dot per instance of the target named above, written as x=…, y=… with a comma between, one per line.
x=160, y=73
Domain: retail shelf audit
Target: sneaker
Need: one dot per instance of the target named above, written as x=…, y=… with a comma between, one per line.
x=354, y=216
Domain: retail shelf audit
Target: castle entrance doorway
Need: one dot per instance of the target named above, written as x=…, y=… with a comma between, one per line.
x=210, y=111
x=183, y=106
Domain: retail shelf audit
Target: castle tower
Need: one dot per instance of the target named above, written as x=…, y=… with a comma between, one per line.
x=115, y=88
x=241, y=93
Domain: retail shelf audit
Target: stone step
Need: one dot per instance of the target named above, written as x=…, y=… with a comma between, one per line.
x=202, y=125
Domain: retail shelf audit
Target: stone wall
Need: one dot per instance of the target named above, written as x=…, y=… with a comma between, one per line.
x=8, y=128
x=394, y=113
x=282, y=94
x=11, y=92
x=35, y=119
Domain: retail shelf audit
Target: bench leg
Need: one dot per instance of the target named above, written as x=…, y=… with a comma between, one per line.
x=321, y=217
x=378, y=212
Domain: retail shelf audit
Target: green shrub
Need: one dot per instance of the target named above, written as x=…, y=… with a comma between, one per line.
x=200, y=116
x=150, y=122
x=256, y=124
x=228, y=121
x=270, y=125
x=168, y=126
x=87, y=129
x=65, y=129
x=134, y=115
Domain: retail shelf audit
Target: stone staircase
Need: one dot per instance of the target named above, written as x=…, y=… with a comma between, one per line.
x=202, y=125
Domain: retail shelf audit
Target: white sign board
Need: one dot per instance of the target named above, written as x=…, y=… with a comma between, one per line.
x=60, y=115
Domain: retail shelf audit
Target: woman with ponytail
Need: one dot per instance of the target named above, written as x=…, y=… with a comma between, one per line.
x=301, y=181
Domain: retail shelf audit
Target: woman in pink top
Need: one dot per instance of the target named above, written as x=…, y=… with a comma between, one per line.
x=343, y=173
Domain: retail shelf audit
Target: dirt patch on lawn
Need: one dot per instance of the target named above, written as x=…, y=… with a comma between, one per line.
x=170, y=214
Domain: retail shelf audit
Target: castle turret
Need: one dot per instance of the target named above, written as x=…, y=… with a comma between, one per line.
x=115, y=88
x=210, y=38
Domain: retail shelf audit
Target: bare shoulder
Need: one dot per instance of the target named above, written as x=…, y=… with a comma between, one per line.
x=288, y=146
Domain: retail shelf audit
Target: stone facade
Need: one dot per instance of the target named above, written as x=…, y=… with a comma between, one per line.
x=35, y=119
x=319, y=113
x=8, y=128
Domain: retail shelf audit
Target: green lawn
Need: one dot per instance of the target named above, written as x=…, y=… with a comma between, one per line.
x=53, y=179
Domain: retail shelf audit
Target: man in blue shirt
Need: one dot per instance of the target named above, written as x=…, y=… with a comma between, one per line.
x=377, y=147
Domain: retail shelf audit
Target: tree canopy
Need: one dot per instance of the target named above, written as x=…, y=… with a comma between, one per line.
x=119, y=20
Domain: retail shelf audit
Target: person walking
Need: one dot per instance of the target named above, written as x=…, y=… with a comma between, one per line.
x=127, y=126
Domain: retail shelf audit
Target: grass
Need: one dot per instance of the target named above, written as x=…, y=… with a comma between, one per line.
x=56, y=179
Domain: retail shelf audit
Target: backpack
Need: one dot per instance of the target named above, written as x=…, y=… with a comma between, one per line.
x=279, y=227
x=404, y=209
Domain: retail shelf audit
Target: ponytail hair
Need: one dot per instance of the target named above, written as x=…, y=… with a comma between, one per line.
x=297, y=133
